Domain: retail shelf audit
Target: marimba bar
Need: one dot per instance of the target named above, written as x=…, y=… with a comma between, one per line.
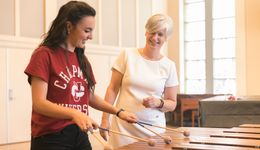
x=226, y=141
x=237, y=135
x=243, y=130
x=207, y=147
x=250, y=126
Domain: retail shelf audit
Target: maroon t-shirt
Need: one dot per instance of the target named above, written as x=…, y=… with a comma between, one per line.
x=66, y=86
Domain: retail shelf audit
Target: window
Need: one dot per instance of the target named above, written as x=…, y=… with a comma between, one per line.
x=209, y=46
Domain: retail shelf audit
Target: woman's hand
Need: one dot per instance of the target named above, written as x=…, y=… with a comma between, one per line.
x=151, y=102
x=83, y=121
x=127, y=116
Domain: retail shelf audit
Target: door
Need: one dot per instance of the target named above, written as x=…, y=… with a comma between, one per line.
x=19, y=96
x=3, y=99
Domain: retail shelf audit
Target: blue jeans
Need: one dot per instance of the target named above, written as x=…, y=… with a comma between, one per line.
x=69, y=138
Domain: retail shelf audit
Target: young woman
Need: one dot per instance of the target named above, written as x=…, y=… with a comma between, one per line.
x=63, y=83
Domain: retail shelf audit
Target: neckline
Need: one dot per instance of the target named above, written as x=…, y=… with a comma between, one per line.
x=64, y=47
x=67, y=51
x=141, y=54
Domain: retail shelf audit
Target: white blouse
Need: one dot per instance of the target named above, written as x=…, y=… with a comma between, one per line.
x=141, y=78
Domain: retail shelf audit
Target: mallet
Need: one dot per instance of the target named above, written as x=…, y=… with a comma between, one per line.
x=105, y=144
x=185, y=132
x=167, y=139
x=150, y=142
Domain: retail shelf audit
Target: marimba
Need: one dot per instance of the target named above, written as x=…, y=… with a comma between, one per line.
x=237, y=138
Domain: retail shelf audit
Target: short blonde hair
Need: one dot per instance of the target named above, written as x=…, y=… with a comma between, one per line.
x=158, y=22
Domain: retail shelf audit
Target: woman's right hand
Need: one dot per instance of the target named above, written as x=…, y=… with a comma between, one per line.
x=104, y=134
x=84, y=122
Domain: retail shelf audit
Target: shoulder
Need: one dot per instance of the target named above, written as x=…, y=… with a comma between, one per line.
x=43, y=54
x=43, y=50
x=168, y=64
x=168, y=61
x=130, y=52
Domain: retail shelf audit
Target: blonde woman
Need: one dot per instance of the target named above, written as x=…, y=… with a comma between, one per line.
x=145, y=83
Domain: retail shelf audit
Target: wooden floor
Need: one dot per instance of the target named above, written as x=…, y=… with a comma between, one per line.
x=18, y=146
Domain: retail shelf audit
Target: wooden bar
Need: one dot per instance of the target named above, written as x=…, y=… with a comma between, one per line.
x=250, y=125
x=237, y=135
x=207, y=147
x=243, y=130
x=226, y=141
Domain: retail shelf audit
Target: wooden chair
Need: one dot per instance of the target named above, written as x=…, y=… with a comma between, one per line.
x=194, y=115
x=189, y=104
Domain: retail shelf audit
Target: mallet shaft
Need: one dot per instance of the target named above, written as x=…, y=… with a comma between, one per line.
x=116, y=132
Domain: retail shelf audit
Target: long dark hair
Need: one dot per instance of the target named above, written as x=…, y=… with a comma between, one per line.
x=73, y=12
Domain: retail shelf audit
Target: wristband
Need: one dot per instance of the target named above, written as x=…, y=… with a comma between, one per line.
x=161, y=104
x=119, y=111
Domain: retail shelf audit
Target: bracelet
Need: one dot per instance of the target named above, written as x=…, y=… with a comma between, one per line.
x=119, y=111
x=161, y=104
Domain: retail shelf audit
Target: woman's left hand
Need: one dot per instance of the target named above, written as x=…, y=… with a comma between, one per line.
x=151, y=102
x=127, y=116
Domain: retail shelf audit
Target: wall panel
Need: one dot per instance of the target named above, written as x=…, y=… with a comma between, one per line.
x=7, y=17
x=31, y=18
x=128, y=21
x=145, y=11
x=109, y=25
